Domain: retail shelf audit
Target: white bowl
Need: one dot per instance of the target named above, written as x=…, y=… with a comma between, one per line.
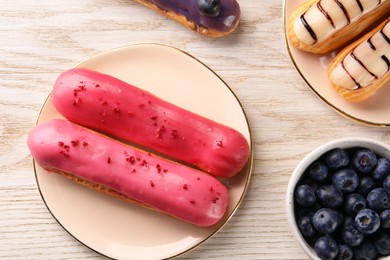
x=376, y=146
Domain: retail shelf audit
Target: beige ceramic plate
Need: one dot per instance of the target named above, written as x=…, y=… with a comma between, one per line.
x=313, y=68
x=121, y=230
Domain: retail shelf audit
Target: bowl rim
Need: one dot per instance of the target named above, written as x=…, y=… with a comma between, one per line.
x=379, y=147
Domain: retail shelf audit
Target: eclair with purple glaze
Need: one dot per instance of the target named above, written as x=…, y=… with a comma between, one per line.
x=213, y=18
x=363, y=67
x=322, y=26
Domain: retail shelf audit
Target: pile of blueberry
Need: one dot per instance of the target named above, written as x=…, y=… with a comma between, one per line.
x=342, y=205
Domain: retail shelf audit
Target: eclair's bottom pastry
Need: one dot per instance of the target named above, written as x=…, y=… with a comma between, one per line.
x=121, y=171
x=363, y=67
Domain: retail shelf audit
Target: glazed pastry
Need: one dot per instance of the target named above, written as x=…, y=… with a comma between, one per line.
x=321, y=26
x=363, y=67
x=213, y=18
x=109, y=105
x=122, y=171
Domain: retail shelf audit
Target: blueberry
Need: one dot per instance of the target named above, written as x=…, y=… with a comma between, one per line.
x=385, y=218
x=326, y=248
x=305, y=226
x=366, y=184
x=304, y=195
x=209, y=7
x=326, y=221
x=382, y=169
x=351, y=236
x=366, y=251
x=364, y=160
x=386, y=183
x=382, y=243
x=367, y=221
x=337, y=158
x=345, y=179
x=378, y=199
x=318, y=171
x=330, y=196
x=353, y=203
x=345, y=253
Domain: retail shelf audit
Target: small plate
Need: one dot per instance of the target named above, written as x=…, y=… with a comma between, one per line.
x=374, y=111
x=121, y=230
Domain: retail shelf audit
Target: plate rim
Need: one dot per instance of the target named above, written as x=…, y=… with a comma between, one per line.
x=248, y=166
x=339, y=110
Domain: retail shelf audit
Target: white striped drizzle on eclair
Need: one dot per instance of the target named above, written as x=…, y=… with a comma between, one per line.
x=372, y=46
x=364, y=66
x=344, y=10
x=361, y=62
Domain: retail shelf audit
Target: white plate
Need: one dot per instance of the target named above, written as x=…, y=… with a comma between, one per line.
x=313, y=69
x=121, y=230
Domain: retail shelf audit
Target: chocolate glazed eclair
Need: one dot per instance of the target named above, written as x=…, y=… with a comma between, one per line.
x=364, y=66
x=213, y=18
x=321, y=26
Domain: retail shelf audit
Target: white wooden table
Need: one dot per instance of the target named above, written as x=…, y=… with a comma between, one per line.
x=40, y=39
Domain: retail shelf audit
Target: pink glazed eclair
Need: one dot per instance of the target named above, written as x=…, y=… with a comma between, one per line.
x=109, y=105
x=122, y=171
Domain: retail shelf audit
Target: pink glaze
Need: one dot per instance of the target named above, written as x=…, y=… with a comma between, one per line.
x=109, y=105
x=188, y=194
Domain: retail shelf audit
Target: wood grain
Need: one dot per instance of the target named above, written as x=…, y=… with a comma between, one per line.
x=39, y=39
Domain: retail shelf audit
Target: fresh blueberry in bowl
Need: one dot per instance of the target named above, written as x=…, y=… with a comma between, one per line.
x=353, y=203
x=345, y=179
x=330, y=196
x=326, y=247
x=350, y=180
x=379, y=199
x=367, y=221
x=327, y=221
x=337, y=158
x=364, y=160
x=382, y=169
x=304, y=195
x=318, y=171
x=366, y=185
